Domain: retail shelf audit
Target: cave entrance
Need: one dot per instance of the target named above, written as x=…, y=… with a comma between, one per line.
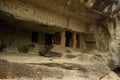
x=35, y=36
x=68, y=36
x=48, y=39
x=78, y=40
x=57, y=38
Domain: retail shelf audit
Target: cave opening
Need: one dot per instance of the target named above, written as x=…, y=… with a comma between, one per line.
x=78, y=41
x=68, y=36
x=35, y=37
x=48, y=39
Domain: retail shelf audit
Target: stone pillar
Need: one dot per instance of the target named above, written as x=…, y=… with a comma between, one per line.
x=74, y=40
x=63, y=39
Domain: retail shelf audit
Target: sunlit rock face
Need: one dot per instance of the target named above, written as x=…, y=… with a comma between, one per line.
x=104, y=6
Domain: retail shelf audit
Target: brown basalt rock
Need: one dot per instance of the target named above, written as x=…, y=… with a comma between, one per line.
x=7, y=70
x=15, y=70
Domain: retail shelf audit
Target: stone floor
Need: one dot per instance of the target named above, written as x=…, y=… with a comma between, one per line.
x=62, y=68
x=26, y=58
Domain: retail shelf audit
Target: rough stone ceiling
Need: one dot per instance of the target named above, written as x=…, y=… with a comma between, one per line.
x=81, y=9
x=69, y=8
x=10, y=21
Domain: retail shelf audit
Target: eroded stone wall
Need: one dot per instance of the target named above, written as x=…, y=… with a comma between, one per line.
x=18, y=38
x=14, y=37
x=76, y=25
x=90, y=42
x=101, y=35
x=102, y=39
x=104, y=34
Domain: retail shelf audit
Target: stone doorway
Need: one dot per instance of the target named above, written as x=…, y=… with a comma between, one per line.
x=78, y=41
x=68, y=36
x=48, y=39
x=35, y=37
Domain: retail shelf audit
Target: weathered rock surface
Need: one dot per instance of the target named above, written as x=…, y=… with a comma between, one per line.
x=111, y=76
x=14, y=70
x=6, y=70
x=55, y=71
x=97, y=70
